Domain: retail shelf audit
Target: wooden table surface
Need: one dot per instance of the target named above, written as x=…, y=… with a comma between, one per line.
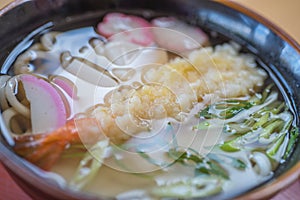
x=284, y=13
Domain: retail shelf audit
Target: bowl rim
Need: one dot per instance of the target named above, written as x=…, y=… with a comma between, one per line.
x=284, y=180
x=11, y=5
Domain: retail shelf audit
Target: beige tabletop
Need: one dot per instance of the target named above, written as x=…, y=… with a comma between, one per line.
x=283, y=13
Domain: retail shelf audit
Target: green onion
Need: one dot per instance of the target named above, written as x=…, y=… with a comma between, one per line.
x=89, y=165
x=270, y=119
x=153, y=161
x=206, y=114
x=236, y=128
x=277, y=125
x=262, y=120
x=211, y=167
x=202, y=126
x=203, y=166
x=230, y=146
x=238, y=164
x=226, y=159
x=231, y=111
x=185, y=155
x=293, y=137
x=192, y=188
x=225, y=109
x=265, y=94
x=278, y=109
x=229, y=108
x=274, y=149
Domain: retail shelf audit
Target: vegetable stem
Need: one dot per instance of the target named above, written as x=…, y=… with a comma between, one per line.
x=89, y=165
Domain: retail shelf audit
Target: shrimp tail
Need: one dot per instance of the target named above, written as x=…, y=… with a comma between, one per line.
x=45, y=149
x=42, y=156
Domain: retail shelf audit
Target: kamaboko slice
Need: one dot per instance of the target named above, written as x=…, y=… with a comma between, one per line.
x=119, y=26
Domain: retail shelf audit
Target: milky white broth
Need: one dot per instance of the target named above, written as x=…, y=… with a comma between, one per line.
x=111, y=180
x=141, y=164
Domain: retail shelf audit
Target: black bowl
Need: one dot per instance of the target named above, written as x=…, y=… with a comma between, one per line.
x=275, y=49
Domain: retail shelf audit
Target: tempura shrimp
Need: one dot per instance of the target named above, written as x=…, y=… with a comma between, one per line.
x=46, y=148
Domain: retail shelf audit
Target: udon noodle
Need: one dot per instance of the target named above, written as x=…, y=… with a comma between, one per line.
x=133, y=108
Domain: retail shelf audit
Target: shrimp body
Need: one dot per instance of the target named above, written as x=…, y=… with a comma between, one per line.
x=45, y=149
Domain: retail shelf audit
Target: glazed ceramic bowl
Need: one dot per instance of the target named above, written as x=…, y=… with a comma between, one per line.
x=271, y=45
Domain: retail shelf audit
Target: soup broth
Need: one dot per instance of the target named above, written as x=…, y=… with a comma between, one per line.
x=147, y=109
